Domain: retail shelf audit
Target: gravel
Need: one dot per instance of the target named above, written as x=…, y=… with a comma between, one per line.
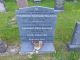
x=11, y=50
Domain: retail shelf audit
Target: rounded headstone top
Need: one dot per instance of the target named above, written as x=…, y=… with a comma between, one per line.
x=3, y=46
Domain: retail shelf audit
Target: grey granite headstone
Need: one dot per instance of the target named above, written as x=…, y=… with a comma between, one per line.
x=36, y=23
x=59, y=4
x=3, y=47
x=2, y=7
x=75, y=43
x=21, y=3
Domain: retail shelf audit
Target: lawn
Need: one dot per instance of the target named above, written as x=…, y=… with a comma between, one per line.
x=64, y=28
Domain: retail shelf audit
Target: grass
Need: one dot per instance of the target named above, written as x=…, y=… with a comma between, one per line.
x=64, y=28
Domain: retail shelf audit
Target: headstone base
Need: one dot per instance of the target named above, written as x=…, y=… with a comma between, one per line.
x=27, y=47
x=58, y=10
x=3, y=47
x=74, y=47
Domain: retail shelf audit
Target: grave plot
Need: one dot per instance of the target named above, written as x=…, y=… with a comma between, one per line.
x=36, y=24
x=75, y=43
x=2, y=7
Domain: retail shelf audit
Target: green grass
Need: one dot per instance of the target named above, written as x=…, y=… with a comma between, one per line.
x=64, y=28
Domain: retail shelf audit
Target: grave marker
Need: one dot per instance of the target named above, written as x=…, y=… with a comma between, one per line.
x=75, y=43
x=36, y=23
x=37, y=1
x=3, y=47
x=22, y=3
x=2, y=7
x=59, y=5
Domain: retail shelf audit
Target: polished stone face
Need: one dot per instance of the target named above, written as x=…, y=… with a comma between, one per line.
x=36, y=23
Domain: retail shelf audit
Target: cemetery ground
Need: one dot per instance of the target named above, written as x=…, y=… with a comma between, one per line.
x=65, y=26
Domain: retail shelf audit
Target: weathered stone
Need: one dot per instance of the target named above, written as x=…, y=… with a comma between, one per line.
x=12, y=50
x=3, y=47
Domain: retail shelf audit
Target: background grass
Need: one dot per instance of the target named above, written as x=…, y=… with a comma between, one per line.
x=64, y=28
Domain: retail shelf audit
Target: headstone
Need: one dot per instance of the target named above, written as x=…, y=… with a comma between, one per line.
x=2, y=7
x=36, y=23
x=37, y=1
x=3, y=46
x=75, y=43
x=22, y=3
x=59, y=5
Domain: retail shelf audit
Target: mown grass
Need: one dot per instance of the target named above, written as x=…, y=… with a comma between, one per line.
x=64, y=28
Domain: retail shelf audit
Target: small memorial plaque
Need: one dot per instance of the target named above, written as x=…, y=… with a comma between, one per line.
x=59, y=4
x=37, y=23
x=75, y=43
